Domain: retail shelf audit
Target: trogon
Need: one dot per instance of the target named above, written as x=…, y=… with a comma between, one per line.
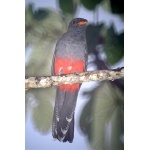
x=70, y=56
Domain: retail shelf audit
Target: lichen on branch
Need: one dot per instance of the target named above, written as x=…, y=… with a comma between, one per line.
x=48, y=81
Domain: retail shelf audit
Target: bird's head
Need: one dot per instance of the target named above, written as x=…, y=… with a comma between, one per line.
x=78, y=23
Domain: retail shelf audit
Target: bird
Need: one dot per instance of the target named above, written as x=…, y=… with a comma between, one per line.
x=70, y=56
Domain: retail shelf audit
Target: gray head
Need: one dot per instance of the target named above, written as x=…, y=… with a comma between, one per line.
x=77, y=24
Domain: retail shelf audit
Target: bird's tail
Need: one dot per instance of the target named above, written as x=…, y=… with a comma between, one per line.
x=63, y=117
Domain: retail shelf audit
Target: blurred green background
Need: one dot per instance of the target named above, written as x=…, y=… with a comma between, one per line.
x=102, y=117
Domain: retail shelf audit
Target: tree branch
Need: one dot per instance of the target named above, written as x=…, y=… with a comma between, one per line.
x=47, y=81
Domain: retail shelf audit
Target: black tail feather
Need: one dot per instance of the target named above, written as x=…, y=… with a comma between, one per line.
x=63, y=118
x=70, y=134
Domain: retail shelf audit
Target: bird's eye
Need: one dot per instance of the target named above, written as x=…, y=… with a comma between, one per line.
x=74, y=22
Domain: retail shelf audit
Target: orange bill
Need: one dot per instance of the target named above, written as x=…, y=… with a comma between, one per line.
x=82, y=23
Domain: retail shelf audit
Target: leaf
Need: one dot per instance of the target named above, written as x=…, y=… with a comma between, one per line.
x=93, y=36
x=102, y=118
x=29, y=13
x=90, y=4
x=67, y=6
x=117, y=6
x=86, y=119
x=114, y=46
x=106, y=5
x=41, y=14
x=42, y=110
x=41, y=36
x=42, y=116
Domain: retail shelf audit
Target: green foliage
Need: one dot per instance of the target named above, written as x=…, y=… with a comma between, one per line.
x=113, y=6
x=68, y=6
x=90, y=4
x=93, y=36
x=41, y=14
x=42, y=32
x=86, y=118
x=42, y=116
x=117, y=6
x=42, y=112
x=29, y=14
x=39, y=102
x=113, y=43
x=114, y=46
x=102, y=114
